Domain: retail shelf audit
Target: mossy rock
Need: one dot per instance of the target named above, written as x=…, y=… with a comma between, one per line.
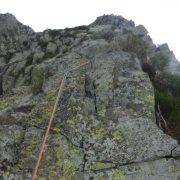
x=37, y=79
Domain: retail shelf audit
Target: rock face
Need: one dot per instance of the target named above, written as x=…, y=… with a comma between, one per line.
x=117, y=21
x=14, y=36
x=105, y=125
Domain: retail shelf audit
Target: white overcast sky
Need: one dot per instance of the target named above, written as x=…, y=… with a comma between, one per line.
x=160, y=17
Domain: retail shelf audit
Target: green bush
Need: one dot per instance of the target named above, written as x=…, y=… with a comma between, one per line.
x=160, y=61
x=173, y=80
x=43, y=44
x=168, y=82
x=170, y=107
x=54, y=33
x=135, y=44
x=80, y=28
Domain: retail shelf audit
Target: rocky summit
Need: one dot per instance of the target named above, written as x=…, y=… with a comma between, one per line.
x=118, y=117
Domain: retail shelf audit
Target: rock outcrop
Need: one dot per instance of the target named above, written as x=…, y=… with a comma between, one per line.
x=106, y=122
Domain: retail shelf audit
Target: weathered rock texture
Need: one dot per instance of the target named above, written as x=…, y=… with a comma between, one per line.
x=105, y=125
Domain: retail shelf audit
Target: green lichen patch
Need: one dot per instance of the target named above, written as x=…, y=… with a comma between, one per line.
x=7, y=101
x=117, y=174
x=143, y=100
x=62, y=159
x=10, y=141
x=97, y=132
x=13, y=134
x=43, y=107
x=148, y=103
x=26, y=153
x=116, y=134
x=101, y=166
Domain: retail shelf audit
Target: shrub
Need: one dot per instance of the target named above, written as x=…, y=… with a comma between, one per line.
x=54, y=33
x=43, y=44
x=170, y=107
x=135, y=44
x=80, y=28
x=168, y=82
x=173, y=81
x=108, y=36
x=160, y=61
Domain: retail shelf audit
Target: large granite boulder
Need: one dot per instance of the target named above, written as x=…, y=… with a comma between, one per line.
x=105, y=124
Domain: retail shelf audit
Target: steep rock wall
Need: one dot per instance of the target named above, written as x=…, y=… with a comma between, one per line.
x=105, y=125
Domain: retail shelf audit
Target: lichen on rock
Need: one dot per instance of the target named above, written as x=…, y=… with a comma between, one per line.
x=105, y=123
